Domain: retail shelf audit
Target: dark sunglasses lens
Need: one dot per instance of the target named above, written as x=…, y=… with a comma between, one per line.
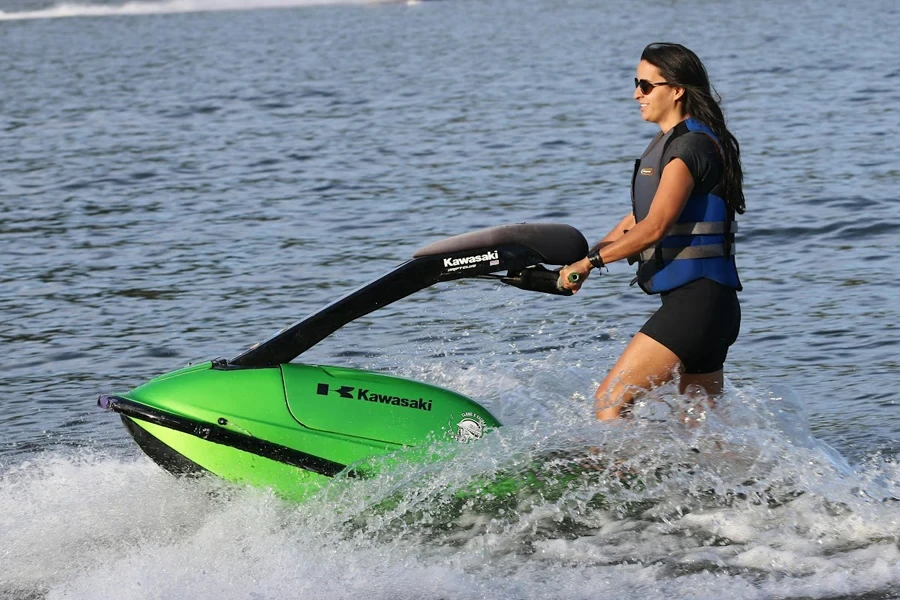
x=646, y=86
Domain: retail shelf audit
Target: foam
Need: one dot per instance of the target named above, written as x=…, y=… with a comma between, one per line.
x=741, y=505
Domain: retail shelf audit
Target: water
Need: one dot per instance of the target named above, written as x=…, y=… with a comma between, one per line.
x=179, y=184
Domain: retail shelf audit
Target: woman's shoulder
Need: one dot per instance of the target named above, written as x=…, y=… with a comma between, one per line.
x=695, y=141
x=699, y=151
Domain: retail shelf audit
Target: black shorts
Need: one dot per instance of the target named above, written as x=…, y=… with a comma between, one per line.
x=698, y=322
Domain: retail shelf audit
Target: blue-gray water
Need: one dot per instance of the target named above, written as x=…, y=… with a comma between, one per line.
x=176, y=185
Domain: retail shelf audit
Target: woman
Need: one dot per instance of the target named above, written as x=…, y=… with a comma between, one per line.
x=686, y=189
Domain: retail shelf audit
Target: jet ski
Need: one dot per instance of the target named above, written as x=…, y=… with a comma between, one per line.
x=262, y=420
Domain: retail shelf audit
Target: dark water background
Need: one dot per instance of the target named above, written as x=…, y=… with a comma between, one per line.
x=175, y=186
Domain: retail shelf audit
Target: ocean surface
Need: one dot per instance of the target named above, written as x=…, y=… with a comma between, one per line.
x=181, y=179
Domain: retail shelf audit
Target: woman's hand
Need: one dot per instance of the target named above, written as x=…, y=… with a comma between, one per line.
x=582, y=267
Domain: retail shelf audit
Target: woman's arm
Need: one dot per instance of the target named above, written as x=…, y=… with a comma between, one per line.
x=675, y=186
x=616, y=232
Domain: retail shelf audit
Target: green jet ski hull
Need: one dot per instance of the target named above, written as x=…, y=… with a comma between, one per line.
x=292, y=427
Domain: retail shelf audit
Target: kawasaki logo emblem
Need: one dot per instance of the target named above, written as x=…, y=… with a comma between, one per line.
x=468, y=262
x=346, y=391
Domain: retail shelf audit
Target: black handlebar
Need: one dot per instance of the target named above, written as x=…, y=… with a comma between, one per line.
x=536, y=279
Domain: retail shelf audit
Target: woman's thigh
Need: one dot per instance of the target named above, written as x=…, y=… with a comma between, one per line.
x=645, y=363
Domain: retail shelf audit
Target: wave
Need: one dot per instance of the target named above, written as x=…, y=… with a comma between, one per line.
x=69, y=9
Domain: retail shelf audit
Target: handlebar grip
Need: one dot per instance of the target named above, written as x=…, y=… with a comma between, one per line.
x=573, y=278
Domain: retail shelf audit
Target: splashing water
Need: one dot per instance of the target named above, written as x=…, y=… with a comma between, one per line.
x=742, y=501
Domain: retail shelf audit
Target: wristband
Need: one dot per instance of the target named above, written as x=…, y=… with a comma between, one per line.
x=594, y=258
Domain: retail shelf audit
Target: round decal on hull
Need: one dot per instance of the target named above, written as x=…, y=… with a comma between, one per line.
x=470, y=427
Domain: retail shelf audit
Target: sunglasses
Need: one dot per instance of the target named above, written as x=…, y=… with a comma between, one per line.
x=647, y=86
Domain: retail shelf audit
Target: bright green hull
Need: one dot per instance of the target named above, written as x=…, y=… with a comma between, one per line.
x=291, y=427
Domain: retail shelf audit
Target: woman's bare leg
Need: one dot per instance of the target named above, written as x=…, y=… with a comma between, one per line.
x=706, y=388
x=712, y=383
x=645, y=363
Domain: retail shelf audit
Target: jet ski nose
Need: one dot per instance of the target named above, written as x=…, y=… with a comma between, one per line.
x=106, y=401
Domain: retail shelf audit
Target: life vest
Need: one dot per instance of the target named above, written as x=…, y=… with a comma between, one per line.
x=700, y=243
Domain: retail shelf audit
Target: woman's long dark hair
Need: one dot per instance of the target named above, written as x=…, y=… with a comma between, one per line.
x=683, y=68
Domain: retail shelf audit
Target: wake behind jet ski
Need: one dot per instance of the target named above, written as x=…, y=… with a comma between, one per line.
x=260, y=419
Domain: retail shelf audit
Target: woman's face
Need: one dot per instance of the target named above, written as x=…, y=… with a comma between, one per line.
x=658, y=104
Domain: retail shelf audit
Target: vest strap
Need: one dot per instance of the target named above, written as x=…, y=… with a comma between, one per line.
x=703, y=228
x=689, y=252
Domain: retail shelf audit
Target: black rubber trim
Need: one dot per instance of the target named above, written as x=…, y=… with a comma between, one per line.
x=219, y=435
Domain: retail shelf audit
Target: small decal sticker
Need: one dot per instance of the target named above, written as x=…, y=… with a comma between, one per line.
x=647, y=171
x=470, y=427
